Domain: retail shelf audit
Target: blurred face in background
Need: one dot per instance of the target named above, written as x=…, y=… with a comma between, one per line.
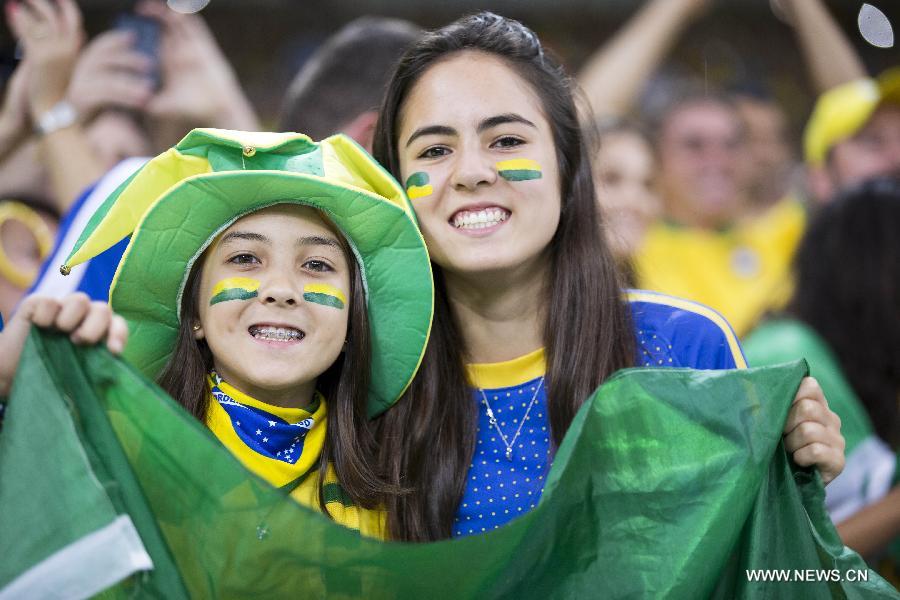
x=873, y=151
x=699, y=149
x=625, y=176
x=768, y=155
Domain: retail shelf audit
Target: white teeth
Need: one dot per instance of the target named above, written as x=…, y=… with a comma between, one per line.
x=480, y=219
x=280, y=334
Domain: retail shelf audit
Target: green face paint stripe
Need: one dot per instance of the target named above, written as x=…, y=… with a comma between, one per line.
x=323, y=299
x=520, y=174
x=233, y=294
x=418, y=179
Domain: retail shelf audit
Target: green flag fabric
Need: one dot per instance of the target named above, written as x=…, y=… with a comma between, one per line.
x=669, y=484
x=871, y=465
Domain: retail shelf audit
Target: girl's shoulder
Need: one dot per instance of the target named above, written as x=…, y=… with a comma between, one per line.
x=674, y=332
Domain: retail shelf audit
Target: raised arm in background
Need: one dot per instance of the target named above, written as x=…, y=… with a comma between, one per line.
x=51, y=36
x=870, y=530
x=828, y=53
x=14, y=123
x=614, y=76
x=200, y=87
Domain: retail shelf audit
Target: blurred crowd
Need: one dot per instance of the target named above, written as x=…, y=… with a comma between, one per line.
x=701, y=191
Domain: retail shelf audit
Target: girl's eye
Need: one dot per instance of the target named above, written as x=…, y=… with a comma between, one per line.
x=243, y=259
x=319, y=266
x=508, y=141
x=434, y=152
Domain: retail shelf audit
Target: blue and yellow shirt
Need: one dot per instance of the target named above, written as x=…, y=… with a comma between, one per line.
x=670, y=332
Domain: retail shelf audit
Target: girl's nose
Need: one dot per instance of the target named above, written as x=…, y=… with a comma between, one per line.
x=472, y=170
x=280, y=291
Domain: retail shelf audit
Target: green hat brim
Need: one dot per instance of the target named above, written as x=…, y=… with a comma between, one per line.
x=184, y=221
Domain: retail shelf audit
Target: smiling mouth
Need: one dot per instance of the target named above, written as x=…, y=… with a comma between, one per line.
x=276, y=334
x=479, y=219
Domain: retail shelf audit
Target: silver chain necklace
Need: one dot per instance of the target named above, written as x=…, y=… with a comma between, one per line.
x=493, y=420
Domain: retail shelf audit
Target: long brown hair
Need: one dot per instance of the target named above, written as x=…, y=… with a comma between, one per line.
x=427, y=440
x=349, y=442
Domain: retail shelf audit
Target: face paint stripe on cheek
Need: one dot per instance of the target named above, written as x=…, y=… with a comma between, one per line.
x=519, y=169
x=418, y=185
x=324, y=294
x=234, y=288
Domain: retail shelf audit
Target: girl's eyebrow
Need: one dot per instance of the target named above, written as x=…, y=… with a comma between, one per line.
x=430, y=130
x=484, y=125
x=245, y=235
x=318, y=240
x=503, y=119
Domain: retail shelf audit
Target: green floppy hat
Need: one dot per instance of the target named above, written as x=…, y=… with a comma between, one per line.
x=176, y=205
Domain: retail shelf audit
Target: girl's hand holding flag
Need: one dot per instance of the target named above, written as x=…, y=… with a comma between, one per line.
x=812, y=432
x=87, y=323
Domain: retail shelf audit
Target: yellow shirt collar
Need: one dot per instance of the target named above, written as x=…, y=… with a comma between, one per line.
x=508, y=373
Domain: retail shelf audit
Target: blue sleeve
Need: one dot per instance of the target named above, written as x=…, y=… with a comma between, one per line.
x=672, y=332
x=101, y=270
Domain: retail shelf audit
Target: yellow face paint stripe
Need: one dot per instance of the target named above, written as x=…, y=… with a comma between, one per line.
x=234, y=288
x=324, y=294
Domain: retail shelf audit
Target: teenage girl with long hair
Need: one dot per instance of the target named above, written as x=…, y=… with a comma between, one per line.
x=479, y=123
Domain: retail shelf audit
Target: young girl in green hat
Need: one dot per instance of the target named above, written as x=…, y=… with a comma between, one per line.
x=280, y=291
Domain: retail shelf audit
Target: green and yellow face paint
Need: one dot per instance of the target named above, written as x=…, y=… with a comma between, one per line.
x=418, y=185
x=519, y=169
x=324, y=294
x=234, y=288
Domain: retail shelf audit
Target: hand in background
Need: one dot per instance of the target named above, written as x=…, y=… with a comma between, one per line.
x=110, y=73
x=51, y=36
x=199, y=87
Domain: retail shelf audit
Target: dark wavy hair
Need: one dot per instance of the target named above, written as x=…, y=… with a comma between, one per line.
x=427, y=440
x=848, y=290
x=349, y=442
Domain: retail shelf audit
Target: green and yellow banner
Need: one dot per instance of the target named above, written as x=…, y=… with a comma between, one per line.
x=670, y=483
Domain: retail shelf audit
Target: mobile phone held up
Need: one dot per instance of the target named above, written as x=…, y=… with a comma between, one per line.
x=146, y=32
